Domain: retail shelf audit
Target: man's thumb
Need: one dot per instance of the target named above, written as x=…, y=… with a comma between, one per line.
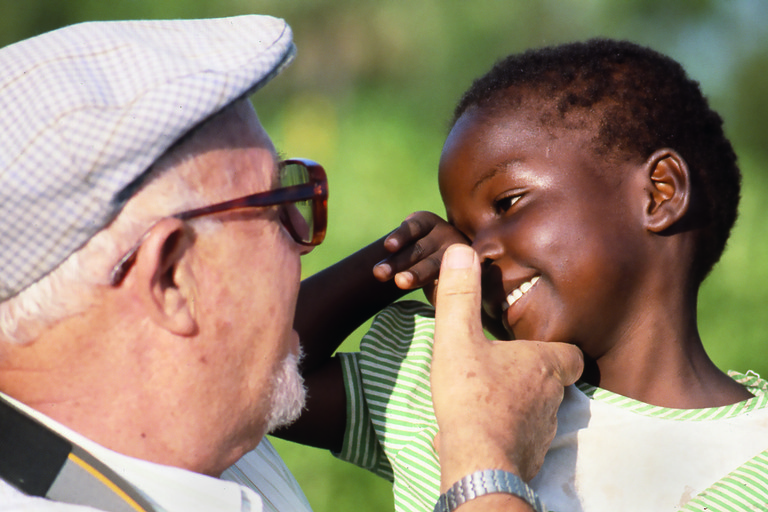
x=458, y=298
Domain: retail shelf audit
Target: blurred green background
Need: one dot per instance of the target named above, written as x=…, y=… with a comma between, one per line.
x=373, y=87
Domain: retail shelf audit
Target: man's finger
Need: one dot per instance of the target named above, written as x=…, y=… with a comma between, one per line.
x=569, y=362
x=458, y=296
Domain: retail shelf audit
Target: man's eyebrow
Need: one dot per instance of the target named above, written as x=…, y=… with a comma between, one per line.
x=496, y=170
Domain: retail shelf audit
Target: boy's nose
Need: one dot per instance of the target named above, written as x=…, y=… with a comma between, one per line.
x=488, y=247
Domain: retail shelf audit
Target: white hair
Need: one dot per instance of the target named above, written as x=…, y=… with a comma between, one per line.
x=69, y=289
x=289, y=395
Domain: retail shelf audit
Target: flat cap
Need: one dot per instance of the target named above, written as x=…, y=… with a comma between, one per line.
x=85, y=110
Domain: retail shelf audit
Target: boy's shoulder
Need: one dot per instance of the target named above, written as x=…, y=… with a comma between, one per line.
x=401, y=330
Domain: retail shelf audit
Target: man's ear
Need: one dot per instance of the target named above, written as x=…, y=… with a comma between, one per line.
x=166, y=287
x=668, y=190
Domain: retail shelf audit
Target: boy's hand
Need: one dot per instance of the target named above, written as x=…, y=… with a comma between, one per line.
x=417, y=248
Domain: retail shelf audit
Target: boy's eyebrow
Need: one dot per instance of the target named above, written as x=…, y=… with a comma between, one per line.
x=495, y=171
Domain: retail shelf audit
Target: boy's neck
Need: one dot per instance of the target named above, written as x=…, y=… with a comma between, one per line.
x=666, y=374
x=656, y=355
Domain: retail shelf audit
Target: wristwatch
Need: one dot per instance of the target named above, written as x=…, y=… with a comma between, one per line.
x=487, y=481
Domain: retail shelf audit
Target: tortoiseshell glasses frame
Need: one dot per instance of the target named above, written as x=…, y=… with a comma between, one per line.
x=302, y=195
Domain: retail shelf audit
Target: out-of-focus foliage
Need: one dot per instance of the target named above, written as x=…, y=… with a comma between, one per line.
x=375, y=83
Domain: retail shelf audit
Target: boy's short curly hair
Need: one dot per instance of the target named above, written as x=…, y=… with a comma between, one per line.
x=639, y=101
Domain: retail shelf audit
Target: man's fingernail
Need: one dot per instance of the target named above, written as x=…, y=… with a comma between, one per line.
x=458, y=256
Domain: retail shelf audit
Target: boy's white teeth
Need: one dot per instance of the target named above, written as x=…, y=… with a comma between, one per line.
x=520, y=291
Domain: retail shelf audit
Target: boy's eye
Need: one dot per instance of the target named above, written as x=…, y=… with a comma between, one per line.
x=503, y=204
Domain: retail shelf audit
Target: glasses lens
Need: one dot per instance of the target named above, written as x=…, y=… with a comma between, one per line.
x=298, y=216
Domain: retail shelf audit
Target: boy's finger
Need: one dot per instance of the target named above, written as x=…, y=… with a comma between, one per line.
x=458, y=295
x=422, y=273
x=405, y=233
x=417, y=225
x=422, y=259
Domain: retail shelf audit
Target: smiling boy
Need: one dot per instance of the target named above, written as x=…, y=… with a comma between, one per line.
x=598, y=189
x=579, y=248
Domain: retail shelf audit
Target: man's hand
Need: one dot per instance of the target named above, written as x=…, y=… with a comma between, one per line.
x=417, y=247
x=496, y=401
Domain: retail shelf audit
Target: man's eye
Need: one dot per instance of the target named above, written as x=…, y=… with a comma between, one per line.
x=503, y=204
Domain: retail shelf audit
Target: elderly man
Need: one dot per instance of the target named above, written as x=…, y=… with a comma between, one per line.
x=149, y=270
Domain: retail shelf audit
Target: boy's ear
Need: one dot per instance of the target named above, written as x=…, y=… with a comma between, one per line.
x=668, y=190
x=166, y=286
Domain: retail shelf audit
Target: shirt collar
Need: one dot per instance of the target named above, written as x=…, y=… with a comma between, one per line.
x=171, y=489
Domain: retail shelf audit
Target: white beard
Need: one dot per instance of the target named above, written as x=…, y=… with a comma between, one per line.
x=288, y=394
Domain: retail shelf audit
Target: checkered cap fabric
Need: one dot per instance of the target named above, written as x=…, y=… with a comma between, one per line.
x=85, y=110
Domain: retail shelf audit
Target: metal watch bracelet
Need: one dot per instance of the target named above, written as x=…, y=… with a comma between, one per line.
x=488, y=481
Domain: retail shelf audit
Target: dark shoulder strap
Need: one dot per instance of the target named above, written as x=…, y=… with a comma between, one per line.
x=39, y=462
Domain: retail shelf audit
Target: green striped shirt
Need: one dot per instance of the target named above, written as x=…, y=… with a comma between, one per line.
x=611, y=452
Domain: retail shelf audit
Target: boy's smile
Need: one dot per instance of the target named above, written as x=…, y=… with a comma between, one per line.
x=518, y=292
x=554, y=225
